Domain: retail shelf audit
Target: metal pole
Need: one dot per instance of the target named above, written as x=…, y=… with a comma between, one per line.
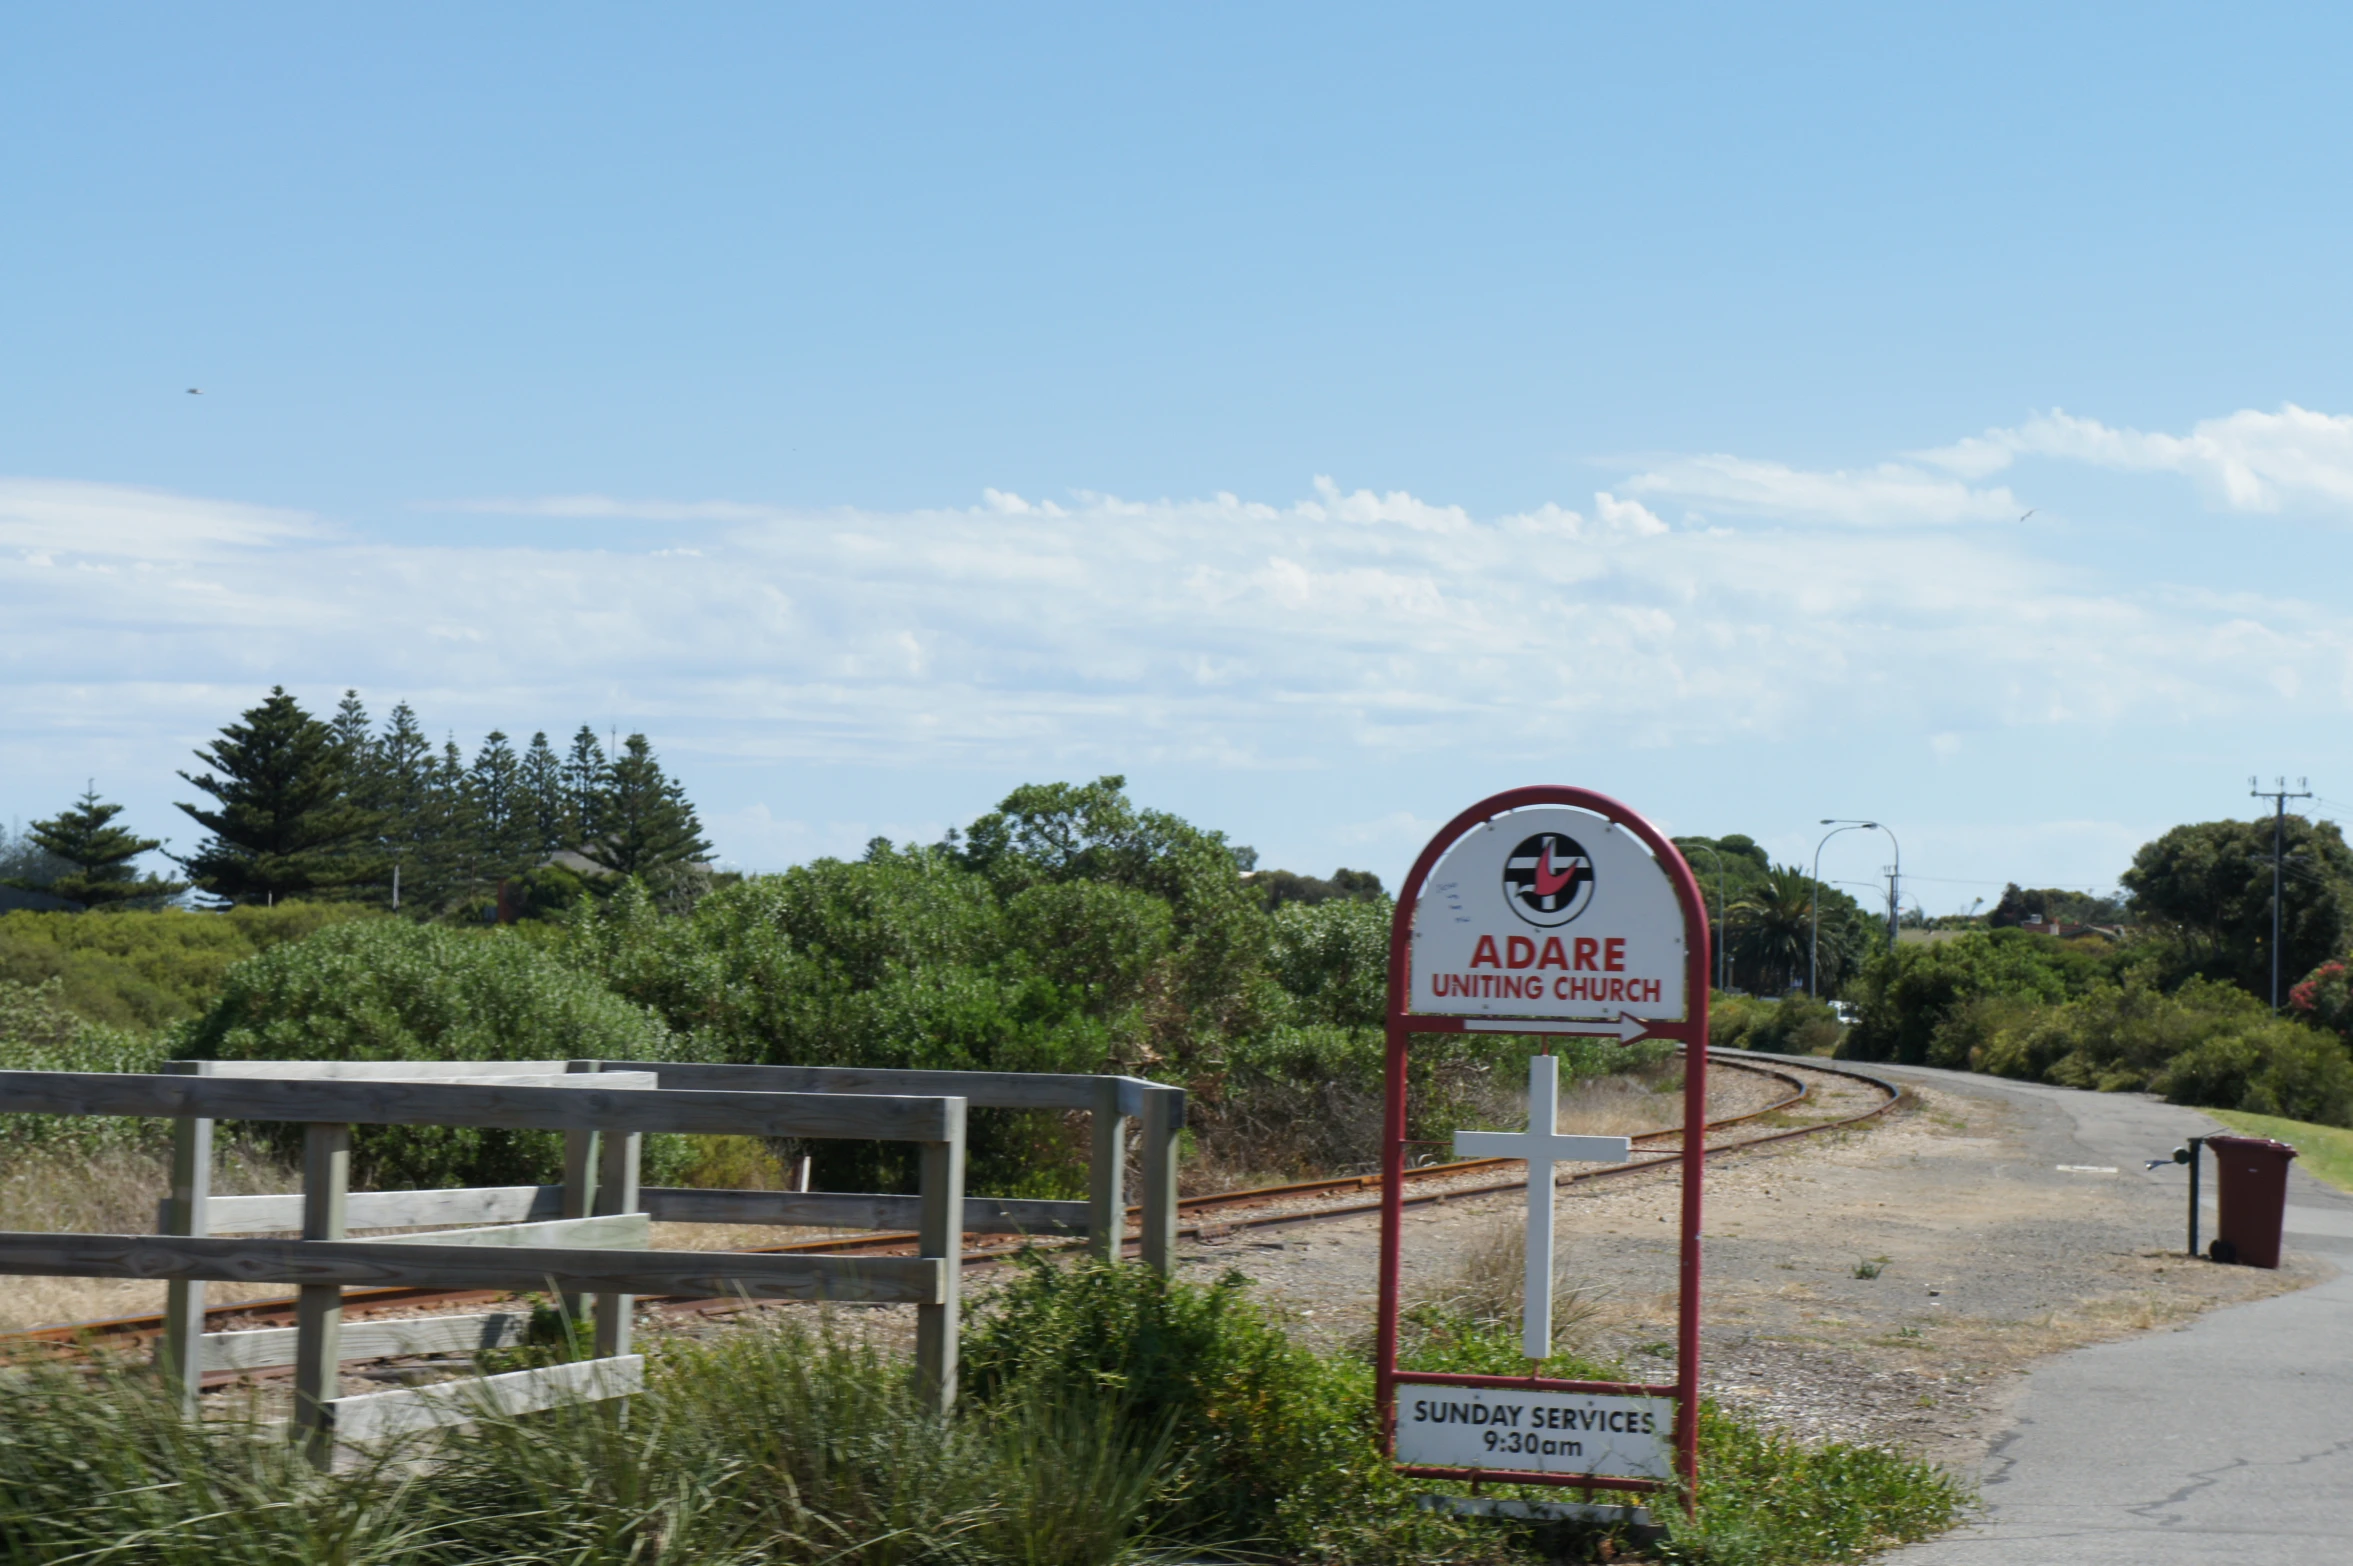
x=1695, y=1119
x=1392, y=1218
x=2197, y=1149
x=1814, y=896
x=1723, y=914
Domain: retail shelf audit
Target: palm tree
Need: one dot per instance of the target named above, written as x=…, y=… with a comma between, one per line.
x=1777, y=923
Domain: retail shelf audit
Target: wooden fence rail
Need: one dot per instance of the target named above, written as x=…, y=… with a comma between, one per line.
x=1110, y=1102
x=583, y=1239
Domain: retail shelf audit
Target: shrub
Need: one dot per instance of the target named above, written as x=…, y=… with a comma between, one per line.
x=1333, y=959
x=141, y=969
x=1793, y=1025
x=2206, y=1043
x=1274, y=1442
x=386, y=989
x=2325, y=999
x=1903, y=996
x=39, y=1033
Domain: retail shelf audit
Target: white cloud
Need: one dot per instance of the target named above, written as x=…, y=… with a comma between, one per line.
x=2247, y=461
x=1889, y=495
x=112, y=522
x=1111, y=632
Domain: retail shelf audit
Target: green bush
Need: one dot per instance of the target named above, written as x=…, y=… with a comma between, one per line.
x=1273, y=1442
x=39, y=1033
x=2207, y=1043
x=1905, y=995
x=1332, y=958
x=1792, y=1025
x=386, y=989
x=143, y=968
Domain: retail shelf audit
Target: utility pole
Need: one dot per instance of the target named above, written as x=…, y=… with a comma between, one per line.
x=2279, y=797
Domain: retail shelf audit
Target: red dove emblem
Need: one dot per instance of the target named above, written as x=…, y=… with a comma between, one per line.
x=1550, y=882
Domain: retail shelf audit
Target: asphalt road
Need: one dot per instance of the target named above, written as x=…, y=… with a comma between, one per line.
x=2229, y=1440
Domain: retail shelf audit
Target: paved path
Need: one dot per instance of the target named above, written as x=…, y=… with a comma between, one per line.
x=2230, y=1440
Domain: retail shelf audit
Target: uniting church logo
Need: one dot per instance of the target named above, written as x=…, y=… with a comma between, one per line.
x=1548, y=879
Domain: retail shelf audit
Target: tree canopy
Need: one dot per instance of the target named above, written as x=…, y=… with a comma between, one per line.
x=344, y=809
x=98, y=856
x=2207, y=887
x=284, y=820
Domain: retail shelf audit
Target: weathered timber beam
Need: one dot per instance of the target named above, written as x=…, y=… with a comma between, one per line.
x=865, y=1117
x=368, y=1264
x=269, y=1346
x=393, y=1209
x=380, y=1070
x=374, y=1416
x=611, y=1232
x=845, y=1210
x=981, y=1089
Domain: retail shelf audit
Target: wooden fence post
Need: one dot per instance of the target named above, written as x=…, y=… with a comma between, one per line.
x=1107, y=1173
x=940, y=1232
x=1164, y=1118
x=580, y=1160
x=318, y=1308
x=616, y=1192
x=182, y=1356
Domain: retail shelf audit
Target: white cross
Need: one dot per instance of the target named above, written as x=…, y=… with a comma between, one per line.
x=1542, y=1147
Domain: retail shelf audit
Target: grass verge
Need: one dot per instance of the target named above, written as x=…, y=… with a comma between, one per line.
x=1110, y=1418
x=2325, y=1152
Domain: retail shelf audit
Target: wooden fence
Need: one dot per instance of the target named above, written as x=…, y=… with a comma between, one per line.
x=585, y=1238
x=594, y=1247
x=1109, y=1102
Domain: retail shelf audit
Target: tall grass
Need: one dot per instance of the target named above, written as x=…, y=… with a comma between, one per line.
x=1765, y=1498
x=1111, y=1417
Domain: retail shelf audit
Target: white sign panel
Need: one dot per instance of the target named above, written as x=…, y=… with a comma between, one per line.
x=1535, y=1432
x=1548, y=913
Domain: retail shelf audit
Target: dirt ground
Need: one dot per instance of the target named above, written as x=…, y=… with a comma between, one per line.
x=1882, y=1284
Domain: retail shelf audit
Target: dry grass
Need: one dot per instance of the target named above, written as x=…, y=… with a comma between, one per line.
x=1489, y=1279
x=1621, y=1106
x=114, y=1194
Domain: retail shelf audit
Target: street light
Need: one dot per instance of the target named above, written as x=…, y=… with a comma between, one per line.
x=1837, y=825
x=1723, y=909
x=1814, y=896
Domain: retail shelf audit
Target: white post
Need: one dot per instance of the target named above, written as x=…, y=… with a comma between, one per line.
x=182, y=1350
x=1542, y=1146
x=318, y=1307
x=1106, y=1172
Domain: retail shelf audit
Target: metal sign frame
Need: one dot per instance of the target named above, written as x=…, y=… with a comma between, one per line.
x=1692, y=1032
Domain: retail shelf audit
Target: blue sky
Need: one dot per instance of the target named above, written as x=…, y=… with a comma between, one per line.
x=1321, y=415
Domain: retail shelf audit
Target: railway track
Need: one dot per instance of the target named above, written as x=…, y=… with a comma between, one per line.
x=1209, y=1216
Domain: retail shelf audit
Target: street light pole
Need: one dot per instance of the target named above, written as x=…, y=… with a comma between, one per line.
x=1894, y=877
x=1723, y=910
x=1814, y=897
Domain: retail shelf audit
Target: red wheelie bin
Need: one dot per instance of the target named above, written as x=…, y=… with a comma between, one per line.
x=2252, y=1175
